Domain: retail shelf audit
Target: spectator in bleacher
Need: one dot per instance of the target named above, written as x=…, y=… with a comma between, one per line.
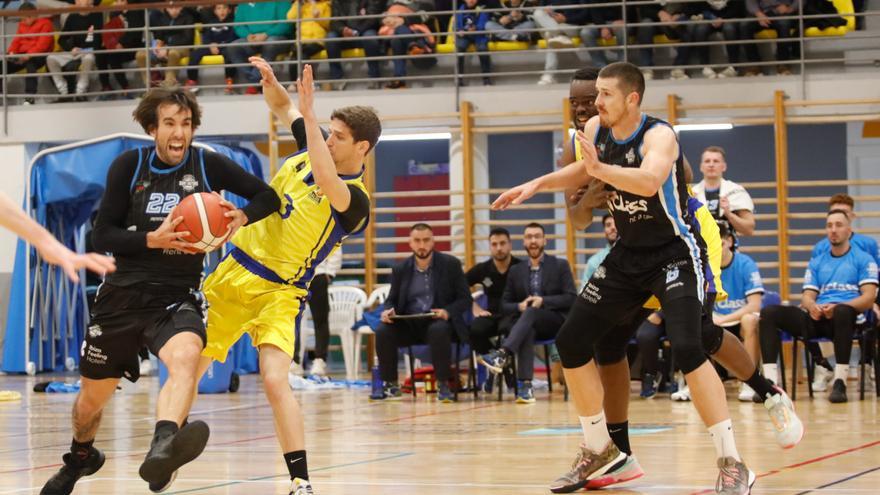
x=728, y=201
x=268, y=39
x=407, y=17
x=539, y=293
x=768, y=13
x=670, y=14
x=839, y=285
x=431, y=285
x=738, y=314
x=558, y=26
x=718, y=11
x=606, y=23
x=315, y=23
x=77, y=50
x=170, y=46
x=33, y=39
x=351, y=32
x=215, y=38
x=610, y=231
x=513, y=24
x=491, y=276
x=118, y=43
x=843, y=202
x=468, y=19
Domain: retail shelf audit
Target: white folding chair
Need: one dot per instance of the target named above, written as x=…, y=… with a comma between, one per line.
x=378, y=296
x=346, y=308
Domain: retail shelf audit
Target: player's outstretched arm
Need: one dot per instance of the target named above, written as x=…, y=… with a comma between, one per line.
x=660, y=152
x=51, y=250
x=323, y=167
x=276, y=96
x=560, y=179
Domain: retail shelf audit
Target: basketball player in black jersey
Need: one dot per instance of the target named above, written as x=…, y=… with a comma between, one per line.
x=152, y=299
x=638, y=157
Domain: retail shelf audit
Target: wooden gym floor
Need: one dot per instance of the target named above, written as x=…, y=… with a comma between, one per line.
x=425, y=448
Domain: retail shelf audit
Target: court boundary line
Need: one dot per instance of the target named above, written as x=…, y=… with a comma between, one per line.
x=841, y=480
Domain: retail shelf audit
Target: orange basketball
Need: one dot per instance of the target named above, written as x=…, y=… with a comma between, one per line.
x=203, y=218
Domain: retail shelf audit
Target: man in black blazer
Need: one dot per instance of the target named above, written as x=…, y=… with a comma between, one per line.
x=426, y=282
x=539, y=293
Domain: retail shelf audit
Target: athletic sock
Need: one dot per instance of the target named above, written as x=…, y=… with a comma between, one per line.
x=722, y=437
x=841, y=372
x=81, y=450
x=165, y=428
x=297, y=464
x=761, y=385
x=619, y=433
x=595, y=429
x=771, y=372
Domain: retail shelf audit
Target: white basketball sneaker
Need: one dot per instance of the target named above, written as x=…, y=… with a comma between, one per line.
x=319, y=367
x=786, y=425
x=821, y=379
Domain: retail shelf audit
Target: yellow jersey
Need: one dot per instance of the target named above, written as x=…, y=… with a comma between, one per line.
x=288, y=246
x=708, y=231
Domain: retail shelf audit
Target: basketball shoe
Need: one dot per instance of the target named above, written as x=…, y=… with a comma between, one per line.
x=170, y=452
x=786, y=425
x=734, y=478
x=628, y=472
x=74, y=468
x=300, y=486
x=587, y=466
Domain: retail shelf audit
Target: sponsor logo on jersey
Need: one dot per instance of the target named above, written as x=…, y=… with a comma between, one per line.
x=301, y=166
x=95, y=331
x=141, y=185
x=630, y=156
x=487, y=282
x=316, y=195
x=188, y=183
x=600, y=272
x=671, y=275
x=629, y=207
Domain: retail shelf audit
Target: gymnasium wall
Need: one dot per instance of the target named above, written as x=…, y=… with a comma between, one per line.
x=13, y=163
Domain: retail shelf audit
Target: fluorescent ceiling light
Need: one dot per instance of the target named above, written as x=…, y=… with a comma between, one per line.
x=703, y=127
x=429, y=136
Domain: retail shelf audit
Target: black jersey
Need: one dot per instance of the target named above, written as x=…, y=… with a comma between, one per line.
x=142, y=191
x=645, y=222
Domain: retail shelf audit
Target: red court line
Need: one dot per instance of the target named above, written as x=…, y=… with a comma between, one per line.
x=806, y=463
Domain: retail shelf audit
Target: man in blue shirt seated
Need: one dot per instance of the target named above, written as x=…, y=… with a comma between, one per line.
x=597, y=259
x=739, y=312
x=839, y=286
x=845, y=202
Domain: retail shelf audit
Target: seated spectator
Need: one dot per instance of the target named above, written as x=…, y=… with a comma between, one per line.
x=491, y=276
x=117, y=44
x=315, y=23
x=718, y=11
x=426, y=283
x=867, y=244
x=839, y=285
x=265, y=39
x=605, y=23
x=215, y=37
x=32, y=41
x=558, y=26
x=467, y=20
x=738, y=314
x=597, y=259
x=728, y=201
x=408, y=17
x=539, y=293
x=350, y=30
x=169, y=45
x=77, y=50
x=768, y=13
x=512, y=24
x=670, y=14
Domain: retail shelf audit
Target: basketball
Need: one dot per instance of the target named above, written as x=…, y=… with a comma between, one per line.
x=203, y=217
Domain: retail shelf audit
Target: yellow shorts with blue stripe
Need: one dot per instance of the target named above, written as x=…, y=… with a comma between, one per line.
x=241, y=302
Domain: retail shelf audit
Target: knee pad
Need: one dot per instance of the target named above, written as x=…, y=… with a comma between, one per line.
x=712, y=337
x=606, y=356
x=688, y=356
x=573, y=346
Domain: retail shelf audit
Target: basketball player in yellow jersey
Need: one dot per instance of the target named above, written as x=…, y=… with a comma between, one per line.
x=261, y=286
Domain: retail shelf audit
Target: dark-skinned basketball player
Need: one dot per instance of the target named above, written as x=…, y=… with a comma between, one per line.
x=153, y=298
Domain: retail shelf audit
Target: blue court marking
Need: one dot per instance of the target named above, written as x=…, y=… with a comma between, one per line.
x=633, y=431
x=325, y=468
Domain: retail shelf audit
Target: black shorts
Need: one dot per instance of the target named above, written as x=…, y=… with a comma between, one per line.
x=124, y=319
x=627, y=278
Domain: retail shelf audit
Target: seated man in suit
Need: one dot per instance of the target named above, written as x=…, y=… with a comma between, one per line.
x=426, y=282
x=540, y=294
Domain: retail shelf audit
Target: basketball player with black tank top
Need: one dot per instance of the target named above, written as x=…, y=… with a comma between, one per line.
x=638, y=157
x=153, y=298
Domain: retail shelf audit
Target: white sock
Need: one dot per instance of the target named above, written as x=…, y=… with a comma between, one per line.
x=771, y=372
x=596, y=436
x=841, y=372
x=722, y=437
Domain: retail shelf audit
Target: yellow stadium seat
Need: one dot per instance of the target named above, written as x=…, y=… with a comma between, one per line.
x=845, y=9
x=662, y=39
x=766, y=34
x=448, y=45
x=542, y=43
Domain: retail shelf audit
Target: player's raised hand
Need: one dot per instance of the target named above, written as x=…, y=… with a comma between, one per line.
x=594, y=195
x=515, y=196
x=591, y=157
x=237, y=218
x=70, y=262
x=274, y=93
x=165, y=236
x=305, y=90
